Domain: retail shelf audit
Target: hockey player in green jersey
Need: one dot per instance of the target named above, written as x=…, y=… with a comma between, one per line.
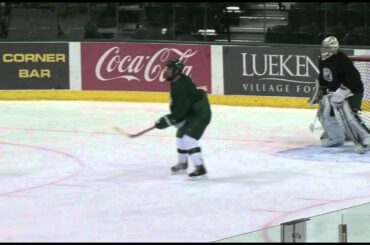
x=190, y=113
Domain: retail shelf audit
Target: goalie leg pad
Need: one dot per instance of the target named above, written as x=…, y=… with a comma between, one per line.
x=357, y=126
x=334, y=131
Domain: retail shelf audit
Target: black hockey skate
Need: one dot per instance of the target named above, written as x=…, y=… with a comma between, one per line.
x=199, y=171
x=179, y=167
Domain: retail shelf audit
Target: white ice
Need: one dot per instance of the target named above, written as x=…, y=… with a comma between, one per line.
x=67, y=176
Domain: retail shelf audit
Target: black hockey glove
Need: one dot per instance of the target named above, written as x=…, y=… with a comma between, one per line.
x=163, y=122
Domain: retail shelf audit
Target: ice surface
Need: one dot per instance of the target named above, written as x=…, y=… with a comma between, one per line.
x=66, y=175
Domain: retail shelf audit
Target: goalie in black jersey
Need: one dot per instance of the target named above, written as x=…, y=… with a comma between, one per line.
x=190, y=113
x=340, y=97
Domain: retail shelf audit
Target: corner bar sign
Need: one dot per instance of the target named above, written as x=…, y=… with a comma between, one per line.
x=34, y=66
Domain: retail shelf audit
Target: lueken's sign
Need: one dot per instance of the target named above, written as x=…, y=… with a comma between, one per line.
x=270, y=71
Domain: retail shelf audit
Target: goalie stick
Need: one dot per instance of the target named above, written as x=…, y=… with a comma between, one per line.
x=121, y=131
x=311, y=101
x=312, y=125
x=315, y=94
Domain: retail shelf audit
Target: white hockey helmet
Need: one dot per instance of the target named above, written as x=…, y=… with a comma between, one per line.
x=329, y=47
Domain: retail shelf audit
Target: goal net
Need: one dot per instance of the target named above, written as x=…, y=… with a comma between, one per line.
x=362, y=63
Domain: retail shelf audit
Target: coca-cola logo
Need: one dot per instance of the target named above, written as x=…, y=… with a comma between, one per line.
x=114, y=65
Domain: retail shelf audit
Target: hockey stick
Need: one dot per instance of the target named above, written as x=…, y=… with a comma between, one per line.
x=311, y=101
x=312, y=125
x=121, y=131
x=315, y=93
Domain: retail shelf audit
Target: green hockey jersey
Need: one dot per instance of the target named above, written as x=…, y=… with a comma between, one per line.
x=183, y=96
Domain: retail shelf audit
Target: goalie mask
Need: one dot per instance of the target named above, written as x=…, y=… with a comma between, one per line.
x=329, y=47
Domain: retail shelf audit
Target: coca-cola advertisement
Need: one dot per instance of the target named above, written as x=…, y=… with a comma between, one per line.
x=140, y=67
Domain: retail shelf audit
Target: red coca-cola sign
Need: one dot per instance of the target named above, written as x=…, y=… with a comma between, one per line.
x=140, y=67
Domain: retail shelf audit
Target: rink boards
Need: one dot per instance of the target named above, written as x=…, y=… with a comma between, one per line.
x=244, y=75
x=154, y=97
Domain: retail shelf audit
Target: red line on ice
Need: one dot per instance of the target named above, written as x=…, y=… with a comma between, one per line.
x=79, y=162
x=268, y=210
x=10, y=193
x=107, y=133
x=70, y=185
